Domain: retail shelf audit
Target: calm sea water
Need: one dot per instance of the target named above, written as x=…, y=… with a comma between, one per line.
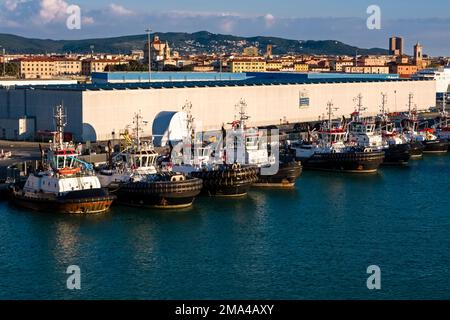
x=312, y=243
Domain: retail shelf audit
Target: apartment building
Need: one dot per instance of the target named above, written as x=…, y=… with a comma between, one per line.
x=248, y=65
x=99, y=65
x=301, y=67
x=47, y=67
x=274, y=65
x=367, y=69
x=339, y=65
x=374, y=61
x=404, y=70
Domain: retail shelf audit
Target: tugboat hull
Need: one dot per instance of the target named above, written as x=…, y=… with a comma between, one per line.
x=161, y=195
x=77, y=202
x=417, y=149
x=436, y=146
x=284, y=178
x=398, y=154
x=354, y=162
x=228, y=181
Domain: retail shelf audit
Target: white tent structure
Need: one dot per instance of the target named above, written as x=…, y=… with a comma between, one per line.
x=169, y=126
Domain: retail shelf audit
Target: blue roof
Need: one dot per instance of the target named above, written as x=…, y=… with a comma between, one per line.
x=203, y=84
x=103, y=77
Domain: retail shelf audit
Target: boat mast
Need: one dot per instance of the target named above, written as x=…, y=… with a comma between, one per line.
x=384, y=117
x=187, y=108
x=330, y=109
x=410, y=103
x=359, y=105
x=241, y=106
x=444, y=112
x=60, y=121
x=383, y=103
x=138, y=129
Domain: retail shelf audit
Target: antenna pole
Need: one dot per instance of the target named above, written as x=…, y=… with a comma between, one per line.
x=60, y=124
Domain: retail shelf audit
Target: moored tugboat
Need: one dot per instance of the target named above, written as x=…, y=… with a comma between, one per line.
x=219, y=177
x=443, y=123
x=67, y=186
x=132, y=176
x=364, y=133
x=288, y=172
x=280, y=169
x=426, y=136
x=330, y=152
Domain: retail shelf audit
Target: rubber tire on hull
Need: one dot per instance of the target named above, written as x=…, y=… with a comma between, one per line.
x=436, y=146
x=162, y=194
x=77, y=202
x=286, y=176
x=355, y=162
x=228, y=181
x=398, y=154
x=417, y=149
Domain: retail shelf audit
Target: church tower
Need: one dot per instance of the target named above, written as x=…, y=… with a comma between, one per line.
x=418, y=55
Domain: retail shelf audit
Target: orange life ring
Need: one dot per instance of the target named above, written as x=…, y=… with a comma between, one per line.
x=69, y=171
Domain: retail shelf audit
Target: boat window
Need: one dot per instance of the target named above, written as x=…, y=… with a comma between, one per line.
x=144, y=161
x=60, y=162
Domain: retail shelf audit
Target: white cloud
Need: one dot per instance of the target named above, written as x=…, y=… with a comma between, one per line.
x=53, y=10
x=120, y=10
x=269, y=19
x=226, y=26
x=11, y=5
x=206, y=14
x=87, y=20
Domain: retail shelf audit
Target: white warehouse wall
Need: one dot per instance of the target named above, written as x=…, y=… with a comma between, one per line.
x=113, y=110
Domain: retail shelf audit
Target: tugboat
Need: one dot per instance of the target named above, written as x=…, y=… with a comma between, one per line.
x=289, y=171
x=68, y=185
x=219, y=177
x=426, y=136
x=132, y=175
x=364, y=133
x=443, y=123
x=257, y=153
x=329, y=151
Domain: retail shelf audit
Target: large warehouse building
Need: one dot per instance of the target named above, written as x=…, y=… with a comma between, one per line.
x=101, y=111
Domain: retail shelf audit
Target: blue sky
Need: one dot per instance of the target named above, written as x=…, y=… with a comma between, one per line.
x=424, y=21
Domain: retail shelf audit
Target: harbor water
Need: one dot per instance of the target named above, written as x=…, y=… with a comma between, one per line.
x=314, y=242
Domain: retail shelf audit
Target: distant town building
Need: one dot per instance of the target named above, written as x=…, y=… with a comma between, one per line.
x=137, y=55
x=250, y=52
x=274, y=65
x=301, y=67
x=248, y=65
x=47, y=67
x=396, y=46
x=374, y=61
x=367, y=69
x=99, y=65
x=338, y=65
x=269, y=51
x=404, y=70
x=159, y=51
x=418, y=56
